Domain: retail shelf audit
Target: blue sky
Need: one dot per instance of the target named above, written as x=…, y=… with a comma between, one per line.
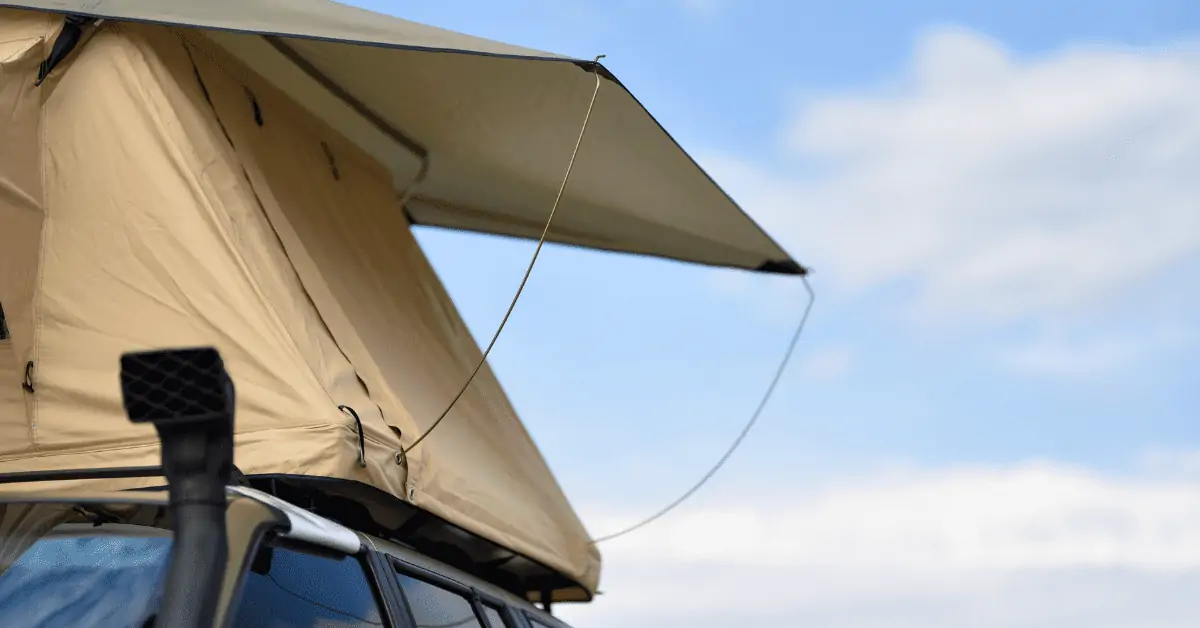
x=998, y=203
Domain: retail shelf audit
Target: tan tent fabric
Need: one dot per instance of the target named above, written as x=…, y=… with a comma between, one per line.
x=173, y=197
x=494, y=123
x=21, y=50
x=15, y=435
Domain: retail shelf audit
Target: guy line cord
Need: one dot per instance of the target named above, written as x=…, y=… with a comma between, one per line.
x=529, y=269
x=520, y=288
x=737, y=442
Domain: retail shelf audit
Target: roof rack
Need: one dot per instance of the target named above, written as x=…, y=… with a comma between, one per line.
x=103, y=473
x=421, y=531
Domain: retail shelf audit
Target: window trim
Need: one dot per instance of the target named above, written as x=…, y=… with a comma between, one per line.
x=472, y=595
x=395, y=604
x=507, y=616
x=260, y=536
x=431, y=576
x=535, y=621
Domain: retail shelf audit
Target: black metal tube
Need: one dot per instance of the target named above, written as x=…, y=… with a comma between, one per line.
x=197, y=473
x=197, y=566
x=58, y=475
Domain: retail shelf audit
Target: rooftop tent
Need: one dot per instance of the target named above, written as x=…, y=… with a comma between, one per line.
x=245, y=175
x=155, y=192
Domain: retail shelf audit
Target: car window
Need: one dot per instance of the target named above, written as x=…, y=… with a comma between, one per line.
x=289, y=588
x=435, y=607
x=84, y=579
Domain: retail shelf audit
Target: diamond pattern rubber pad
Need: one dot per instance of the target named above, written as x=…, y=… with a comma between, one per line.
x=179, y=384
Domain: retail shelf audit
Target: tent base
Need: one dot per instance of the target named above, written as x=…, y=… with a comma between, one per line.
x=365, y=508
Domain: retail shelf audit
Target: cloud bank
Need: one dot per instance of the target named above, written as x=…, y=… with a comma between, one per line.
x=992, y=186
x=1034, y=544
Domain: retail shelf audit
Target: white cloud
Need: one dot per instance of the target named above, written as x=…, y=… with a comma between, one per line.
x=991, y=185
x=1035, y=544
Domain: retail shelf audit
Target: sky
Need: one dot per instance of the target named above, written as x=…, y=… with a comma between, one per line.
x=990, y=419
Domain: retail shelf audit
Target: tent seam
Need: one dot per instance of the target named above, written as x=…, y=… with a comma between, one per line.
x=36, y=298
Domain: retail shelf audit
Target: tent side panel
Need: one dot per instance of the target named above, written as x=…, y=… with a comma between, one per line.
x=334, y=208
x=151, y=240
x=189, y=203
x=24, y=38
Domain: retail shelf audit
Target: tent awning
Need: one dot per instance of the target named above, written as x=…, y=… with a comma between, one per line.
x=477, y=133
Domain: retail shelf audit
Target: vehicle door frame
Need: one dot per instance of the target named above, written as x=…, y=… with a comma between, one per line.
x=394, y=566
